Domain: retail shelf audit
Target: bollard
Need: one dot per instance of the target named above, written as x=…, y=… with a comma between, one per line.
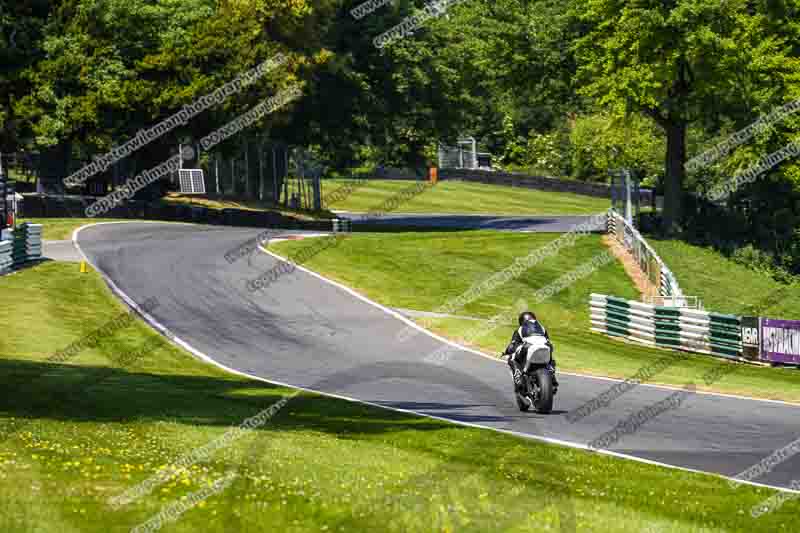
x=84, y=270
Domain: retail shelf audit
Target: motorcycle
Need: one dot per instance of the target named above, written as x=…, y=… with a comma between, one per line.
x=535, y=354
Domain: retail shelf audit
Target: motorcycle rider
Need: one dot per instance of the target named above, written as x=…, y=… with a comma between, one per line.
x=516, y=341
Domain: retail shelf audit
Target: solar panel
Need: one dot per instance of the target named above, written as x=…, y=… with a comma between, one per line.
x=191, y=181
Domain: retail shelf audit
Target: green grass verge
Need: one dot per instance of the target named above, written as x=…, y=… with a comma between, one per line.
x=424, y=270
x=59, y=229
x=465, y=197
x=78, y=433
x=726, y=286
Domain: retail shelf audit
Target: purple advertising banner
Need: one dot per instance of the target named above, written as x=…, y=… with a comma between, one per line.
x=780, y=340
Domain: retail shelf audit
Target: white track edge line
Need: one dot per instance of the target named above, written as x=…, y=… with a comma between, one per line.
x=549, y=440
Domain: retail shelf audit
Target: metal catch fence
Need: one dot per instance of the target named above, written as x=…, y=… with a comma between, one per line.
x=669, y=292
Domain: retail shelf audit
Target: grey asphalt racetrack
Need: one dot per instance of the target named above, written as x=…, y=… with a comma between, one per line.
x=61, y=251
x=307, y=332
x=554, y=224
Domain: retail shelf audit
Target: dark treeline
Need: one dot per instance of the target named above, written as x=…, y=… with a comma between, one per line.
x=567, y=88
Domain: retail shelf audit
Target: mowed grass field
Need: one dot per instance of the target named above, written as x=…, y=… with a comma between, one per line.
x=423, y=271
x=464, y=198
x=79, y=432
x=726, y=286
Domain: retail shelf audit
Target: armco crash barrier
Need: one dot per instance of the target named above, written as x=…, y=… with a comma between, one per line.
x=6, y=260
x=20, y=246
x=667, y=327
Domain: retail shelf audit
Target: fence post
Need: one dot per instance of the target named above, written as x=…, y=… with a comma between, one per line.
x=247, y=190
x=275, y=196
x=261, y=172
x=628, y=207
x=216, y=171
x=286, y=176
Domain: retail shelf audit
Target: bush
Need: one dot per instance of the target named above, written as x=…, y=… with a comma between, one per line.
x=763, y=262
x=544, y=152
x=753, y=258
x=601, y=141
x=537, y=153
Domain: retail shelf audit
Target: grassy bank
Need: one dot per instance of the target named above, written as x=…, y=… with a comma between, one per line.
x=726, y=286
x=423, y=271
x=464, y=197
x=81, y=431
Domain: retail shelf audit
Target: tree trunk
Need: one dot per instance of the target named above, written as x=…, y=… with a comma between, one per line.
x=675, y=173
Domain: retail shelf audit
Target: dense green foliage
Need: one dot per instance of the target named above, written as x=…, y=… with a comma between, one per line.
x=567, y=88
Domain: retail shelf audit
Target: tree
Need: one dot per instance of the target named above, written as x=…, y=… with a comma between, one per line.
x=111, y=67
x=21, y=25
x=396, y=101
x=683, y=61
x=508, y=69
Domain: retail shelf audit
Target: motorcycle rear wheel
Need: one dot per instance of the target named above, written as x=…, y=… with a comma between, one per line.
x=544, y=399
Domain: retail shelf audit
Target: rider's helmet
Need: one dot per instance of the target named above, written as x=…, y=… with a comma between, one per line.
x=524, y=317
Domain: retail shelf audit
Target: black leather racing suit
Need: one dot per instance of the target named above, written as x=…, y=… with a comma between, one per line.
x=516, y=366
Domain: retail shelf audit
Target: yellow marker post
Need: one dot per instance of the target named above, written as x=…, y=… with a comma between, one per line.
x=84, y=270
